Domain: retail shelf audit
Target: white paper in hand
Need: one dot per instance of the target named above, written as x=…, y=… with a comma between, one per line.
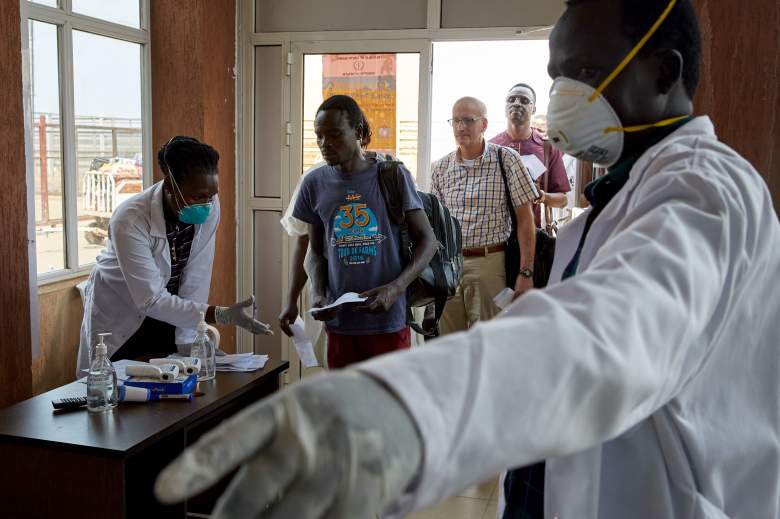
x=349, y=297
x=504, y=297
x=533, y=165
x=303, y=344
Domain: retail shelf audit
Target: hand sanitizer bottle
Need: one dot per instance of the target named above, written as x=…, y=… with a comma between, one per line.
x=204, y=350
x=102, y=393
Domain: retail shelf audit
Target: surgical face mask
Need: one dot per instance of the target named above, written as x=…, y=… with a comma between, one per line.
x=193, y=213
x=582, y=123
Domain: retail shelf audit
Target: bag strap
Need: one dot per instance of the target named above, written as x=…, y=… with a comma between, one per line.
x=547, y=153
x=507, y=193
x=439, y=280
x=440, y=284
x=549, y=224
x=390, y=183
x=439, y=277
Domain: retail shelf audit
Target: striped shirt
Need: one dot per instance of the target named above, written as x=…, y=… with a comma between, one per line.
x=475, y=194
x=180, y=237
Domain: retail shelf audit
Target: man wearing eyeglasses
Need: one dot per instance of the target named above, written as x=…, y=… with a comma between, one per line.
x=519, y=135
x=469, y=183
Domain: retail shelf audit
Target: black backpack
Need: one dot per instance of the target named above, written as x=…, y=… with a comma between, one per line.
x=440, y=279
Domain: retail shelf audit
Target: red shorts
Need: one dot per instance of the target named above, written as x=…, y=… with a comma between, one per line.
x=344, y=350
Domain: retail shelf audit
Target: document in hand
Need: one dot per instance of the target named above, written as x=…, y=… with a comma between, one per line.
x=533, y=165
x=504, y=298
x=347, y=298
x=303, y=344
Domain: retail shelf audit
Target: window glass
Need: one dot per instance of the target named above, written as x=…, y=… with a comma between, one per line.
x=50, y=3
x=107, y=100
x=126, y=12
x=46, y=140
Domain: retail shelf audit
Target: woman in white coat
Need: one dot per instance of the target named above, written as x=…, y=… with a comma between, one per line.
x=151, y=282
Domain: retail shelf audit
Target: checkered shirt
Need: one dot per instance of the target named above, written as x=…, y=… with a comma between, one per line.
x=475, y=195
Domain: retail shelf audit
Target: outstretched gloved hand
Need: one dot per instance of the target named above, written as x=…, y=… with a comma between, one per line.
x=334, y=446
x=237, y=315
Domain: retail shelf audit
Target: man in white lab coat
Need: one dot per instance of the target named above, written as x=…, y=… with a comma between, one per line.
x=151, y=282
x=647, y=378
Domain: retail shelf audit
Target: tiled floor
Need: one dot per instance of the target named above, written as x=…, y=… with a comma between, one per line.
x=478, y=502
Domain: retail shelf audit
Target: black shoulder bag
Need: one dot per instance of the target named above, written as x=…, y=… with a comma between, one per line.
x=545, y=243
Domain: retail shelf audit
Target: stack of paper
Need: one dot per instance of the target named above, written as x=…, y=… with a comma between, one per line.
x=242, y=362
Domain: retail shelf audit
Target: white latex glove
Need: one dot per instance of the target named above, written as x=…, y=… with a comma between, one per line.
x=236, y=315
x=334, y=446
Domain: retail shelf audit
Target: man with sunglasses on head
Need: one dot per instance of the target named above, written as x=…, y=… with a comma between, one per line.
x=150, y=284
x=469, y=182
x=521, y=136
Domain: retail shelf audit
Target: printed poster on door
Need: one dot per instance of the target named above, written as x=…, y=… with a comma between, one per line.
x=370, y=79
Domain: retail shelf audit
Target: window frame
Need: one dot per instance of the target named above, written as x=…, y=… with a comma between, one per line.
x=66, y=22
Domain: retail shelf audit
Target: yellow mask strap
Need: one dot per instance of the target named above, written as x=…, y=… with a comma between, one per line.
x=640, y=127
x=604, y=84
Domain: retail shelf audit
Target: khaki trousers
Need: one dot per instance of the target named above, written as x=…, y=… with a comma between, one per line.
x=483, y=278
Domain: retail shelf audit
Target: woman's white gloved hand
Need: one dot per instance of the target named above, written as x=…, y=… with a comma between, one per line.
x=334, y=446
x=237, y=315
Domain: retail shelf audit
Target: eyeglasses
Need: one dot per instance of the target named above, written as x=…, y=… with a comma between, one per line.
x=467, y=121
x=523, y=100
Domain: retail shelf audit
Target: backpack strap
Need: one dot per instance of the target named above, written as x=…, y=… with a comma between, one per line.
x=391, y=184
x=439, y=280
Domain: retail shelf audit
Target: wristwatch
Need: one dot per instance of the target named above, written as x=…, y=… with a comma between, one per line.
x=526, y=273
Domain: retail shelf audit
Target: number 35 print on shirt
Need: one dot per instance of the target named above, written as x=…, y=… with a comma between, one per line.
x=356, y=233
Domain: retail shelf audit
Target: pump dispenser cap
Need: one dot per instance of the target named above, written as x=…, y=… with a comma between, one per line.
x=101, y=346
x=202, y=327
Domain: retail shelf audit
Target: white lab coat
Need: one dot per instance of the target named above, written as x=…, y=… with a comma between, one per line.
x=129, y=278
x=650, y=381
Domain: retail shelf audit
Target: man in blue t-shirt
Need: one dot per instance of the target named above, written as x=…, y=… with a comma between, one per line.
x=354, y=245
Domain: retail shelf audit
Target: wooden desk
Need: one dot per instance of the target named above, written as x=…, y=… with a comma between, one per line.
x=83, y=465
